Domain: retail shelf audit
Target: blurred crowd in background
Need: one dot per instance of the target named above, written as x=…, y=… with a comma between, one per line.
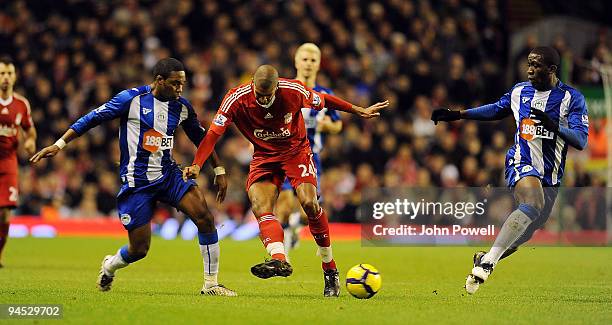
x=420, y=55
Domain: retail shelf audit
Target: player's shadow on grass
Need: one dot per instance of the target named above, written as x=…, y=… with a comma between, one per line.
x=52, y=267
x=302, y=296
x=588, y=300
x=157, y=293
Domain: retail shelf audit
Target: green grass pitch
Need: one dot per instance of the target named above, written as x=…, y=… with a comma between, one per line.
x=420, y=285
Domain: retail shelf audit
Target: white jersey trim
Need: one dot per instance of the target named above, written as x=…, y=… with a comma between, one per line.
x=535, y=145
x=297, y=87
x=154, y=168
x=515, y=105
x=132, y=138
x=225, y=106
x=563, y=112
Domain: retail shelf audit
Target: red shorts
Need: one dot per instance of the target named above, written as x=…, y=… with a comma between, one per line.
x=8, y=190
x=298, y=168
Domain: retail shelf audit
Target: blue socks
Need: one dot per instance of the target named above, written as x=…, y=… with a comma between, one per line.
x=208, y=238
x=129, y=258
x=529, y=210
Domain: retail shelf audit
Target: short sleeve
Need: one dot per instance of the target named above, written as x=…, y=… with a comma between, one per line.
x=224, y=117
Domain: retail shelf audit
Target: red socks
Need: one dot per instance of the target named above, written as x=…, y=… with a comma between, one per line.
x=319, y=228
x=328, y=266
x=271, y=235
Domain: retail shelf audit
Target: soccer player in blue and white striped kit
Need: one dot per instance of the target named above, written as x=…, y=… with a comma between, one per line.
x=149, y=117
x=549, y=115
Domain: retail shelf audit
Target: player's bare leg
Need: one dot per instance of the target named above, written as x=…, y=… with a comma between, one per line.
x=263, y=195
x=297, y=221
x=194, y=205
x=286, y=210
x=319, y=228
x=5, y=214
x=550, y=196
x=529, y=195
x=137, y=249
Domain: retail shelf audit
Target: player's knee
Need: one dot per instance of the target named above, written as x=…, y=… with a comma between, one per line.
x=205, y=223
x=535, y=201
x=531, y=197
x=259, y=208
x=202, y=213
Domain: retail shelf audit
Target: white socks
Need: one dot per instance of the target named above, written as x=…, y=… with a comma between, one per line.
x=210, y=281
x=512, y=229
x=294, y=220
x=210, y=254
x=287, y=238
x=275, y=248
x=326, y=254
x=114, y=263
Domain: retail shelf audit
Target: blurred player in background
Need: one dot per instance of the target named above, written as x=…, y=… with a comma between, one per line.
x=549, y=115
x=149, y=117
x=318, y=123
x=14, y=115
x=268, y=112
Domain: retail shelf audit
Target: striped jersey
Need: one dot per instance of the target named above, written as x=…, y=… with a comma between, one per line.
x=535, y=147
x=146, y=132
x=312, y=118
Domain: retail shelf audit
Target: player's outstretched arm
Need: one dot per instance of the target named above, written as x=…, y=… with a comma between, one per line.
x=112, y=109
x=196, y=133
x=371, y=111
x=205, y=149
x=339, y=104
x=445, y=114
x=487, y=112
x=53, y=149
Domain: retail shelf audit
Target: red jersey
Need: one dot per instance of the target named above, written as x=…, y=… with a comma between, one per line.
x=14, y=114
x=274, y=131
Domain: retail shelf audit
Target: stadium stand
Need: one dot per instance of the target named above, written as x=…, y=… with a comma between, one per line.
x=418, y=54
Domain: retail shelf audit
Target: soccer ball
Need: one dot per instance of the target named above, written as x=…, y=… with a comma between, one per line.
x=363, y=281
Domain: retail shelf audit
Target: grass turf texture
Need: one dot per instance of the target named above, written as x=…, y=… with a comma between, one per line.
x=420, y=285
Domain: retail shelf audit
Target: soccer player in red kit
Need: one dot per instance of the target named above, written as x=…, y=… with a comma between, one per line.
x=14, y=115
x=267, y=112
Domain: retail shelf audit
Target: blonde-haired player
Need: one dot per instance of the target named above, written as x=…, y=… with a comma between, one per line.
x=318, y=123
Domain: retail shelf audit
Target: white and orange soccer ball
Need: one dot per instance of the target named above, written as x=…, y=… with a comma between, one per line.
x=363, y=281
